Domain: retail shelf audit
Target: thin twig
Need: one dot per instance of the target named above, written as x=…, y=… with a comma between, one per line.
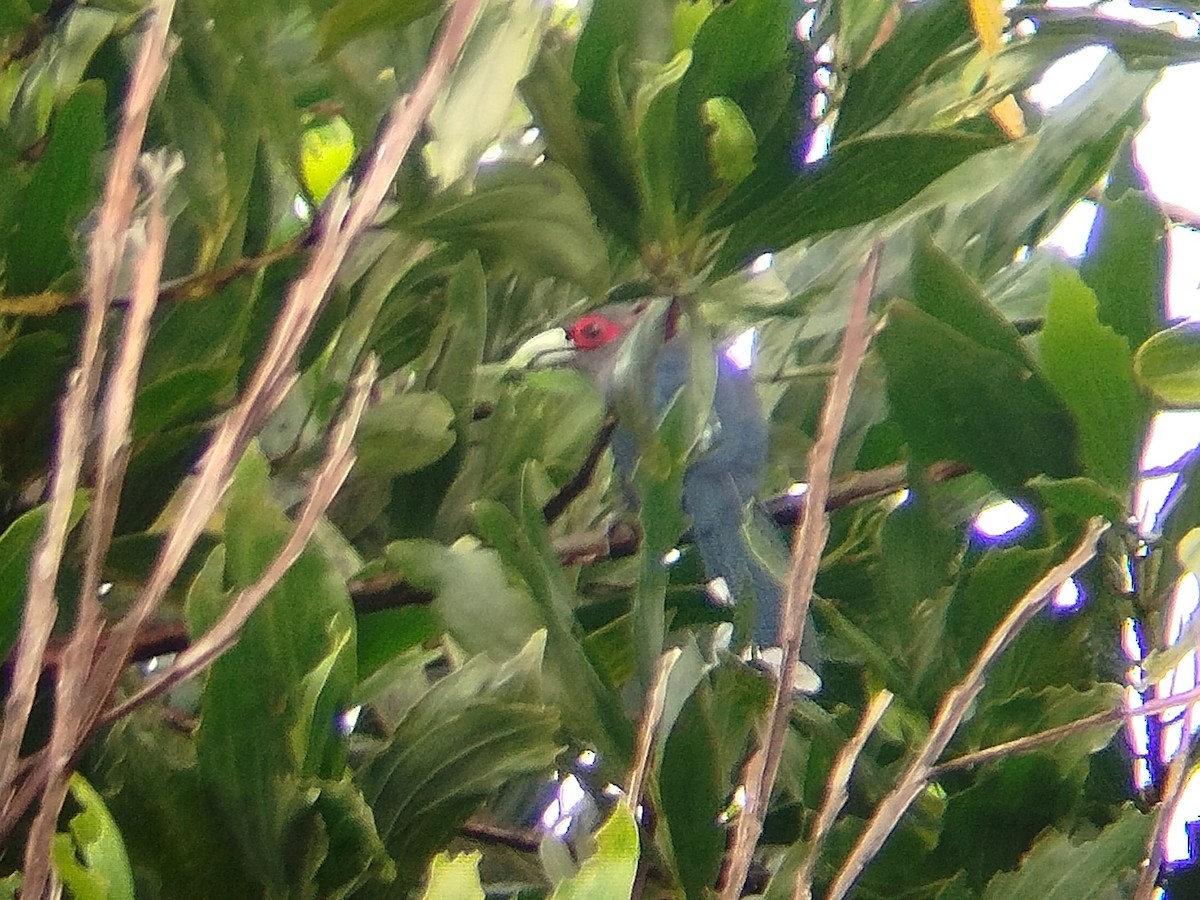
x=807, y=545
x=343, y=222
x=578, y=483
x=104, y=255
x=837, y=792
x=1168, y=804
x=119, y=195
x=339, y=459
x=954, y=708
x=652, y=713
x=622, y=540
x=1016, y=746
x=182, y=290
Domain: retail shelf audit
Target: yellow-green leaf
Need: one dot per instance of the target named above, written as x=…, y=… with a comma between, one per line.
x=326, y=152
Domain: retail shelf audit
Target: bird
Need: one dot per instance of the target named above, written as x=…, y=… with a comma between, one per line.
x=722, y=480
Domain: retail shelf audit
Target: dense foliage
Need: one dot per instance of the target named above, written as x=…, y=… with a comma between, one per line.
x=483, y=649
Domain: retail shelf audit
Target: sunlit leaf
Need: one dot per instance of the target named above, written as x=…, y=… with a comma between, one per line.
x=608, y=873
x=90, y=857
x=1169, y=364
x=325, y=154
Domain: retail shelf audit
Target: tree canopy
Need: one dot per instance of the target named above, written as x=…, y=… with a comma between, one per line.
x=311, y=587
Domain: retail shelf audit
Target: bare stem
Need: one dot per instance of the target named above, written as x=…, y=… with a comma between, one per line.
x=807, y=545
x=954, y=708
x=339, y=459
x=1168, y=804
x=837, y=792
x=1053, y=735
x=105, y=253
x=652, y=712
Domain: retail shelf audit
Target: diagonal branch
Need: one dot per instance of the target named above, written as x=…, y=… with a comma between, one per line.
x=807, y=546
x=339, y=459
x=954, y=708
x=344, y=219
x=837, y=792
x=104, y=256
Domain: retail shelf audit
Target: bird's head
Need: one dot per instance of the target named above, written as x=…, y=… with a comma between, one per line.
x=611, y=339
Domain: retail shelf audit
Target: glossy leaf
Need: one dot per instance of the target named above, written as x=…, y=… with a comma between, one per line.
x=1126, y=265
x=289, y=675
x=737, y=50
x=1169, y=364
x=472, y=732
x=475, y=105
x=956, y=399
x=454, y=877
x=1091, y=368
x=60, y=192
x=537, y=218
x=861, y=180
x=609, y=872
x=17, y=544
x=920, y=39
x=346, y=20
x=1058, y=868
x=90, y=857
x=325, y=154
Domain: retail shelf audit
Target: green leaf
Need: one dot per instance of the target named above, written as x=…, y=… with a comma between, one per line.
x=17, y=544
x=60, y=192
x=188, y=394
x=1028, y=712
x=1059, y=868
x=326, y=152
x=859, y=25
x=739, y=49
x=590, y=708
x=475, y=104
x=955, y=399
x=919, y=561
x=1138, y=47
x=477, y=729
x=617, y=34
x=550, y=94
x=858, y=181
x=404, y=434
x=731, y=144
x=90, y=858
x=924, y=34
x=454, y=877
x=1126, y=265
x=350, y=19
x=535, y=217
x=460, y=345
x=700, y=762
x=267, y=744
x=943, y=289
x=609, y=872
x=1082, y=498
x=1169, y=364
x=1091, y=368
x=987, y=826
x=473, y=596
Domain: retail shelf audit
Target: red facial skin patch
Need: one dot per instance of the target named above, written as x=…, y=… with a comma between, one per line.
x=592, y=331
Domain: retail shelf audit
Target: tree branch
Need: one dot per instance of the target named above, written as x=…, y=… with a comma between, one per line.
x=105, y=252
x=807, y=546
x=954, y=708
x=837, y=792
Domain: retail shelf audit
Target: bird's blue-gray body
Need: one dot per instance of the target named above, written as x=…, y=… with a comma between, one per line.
x=724, y=477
